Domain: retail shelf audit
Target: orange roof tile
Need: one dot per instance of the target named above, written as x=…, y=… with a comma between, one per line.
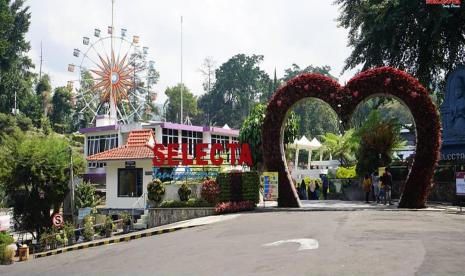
x=137, y=147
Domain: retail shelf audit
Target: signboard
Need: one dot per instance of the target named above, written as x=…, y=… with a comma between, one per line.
x=270, y=185
x=130, y=164
x=460, y=183
x=57, y=220
x=83, y=212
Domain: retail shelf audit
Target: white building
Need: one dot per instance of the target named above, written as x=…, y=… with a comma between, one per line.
x=119, y=157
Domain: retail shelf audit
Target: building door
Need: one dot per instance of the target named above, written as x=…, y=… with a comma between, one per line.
x=130, y=182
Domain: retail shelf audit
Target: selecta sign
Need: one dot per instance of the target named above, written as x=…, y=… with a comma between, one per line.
x=170, y=155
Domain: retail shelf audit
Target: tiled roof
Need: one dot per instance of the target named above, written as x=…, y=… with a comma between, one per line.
x=137, y=147
x=139, y=137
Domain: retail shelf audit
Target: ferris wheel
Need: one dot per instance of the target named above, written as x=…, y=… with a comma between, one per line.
x=113, y=76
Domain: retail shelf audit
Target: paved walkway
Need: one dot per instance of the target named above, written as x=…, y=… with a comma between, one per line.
x=340, y=205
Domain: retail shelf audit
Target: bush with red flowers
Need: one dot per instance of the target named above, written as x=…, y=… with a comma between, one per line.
x=210, y=191
x=233, y=207
x=384, y=81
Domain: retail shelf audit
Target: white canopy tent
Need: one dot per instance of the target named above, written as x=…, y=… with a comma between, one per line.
x=304, y=144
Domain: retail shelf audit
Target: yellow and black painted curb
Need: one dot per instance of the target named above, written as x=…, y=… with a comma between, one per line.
x=133, y=236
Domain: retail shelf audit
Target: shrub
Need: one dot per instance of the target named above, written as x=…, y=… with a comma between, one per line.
x=5, y=253
x=126, y=217
x=108, y=227
x=52, y=237
x=69, y=229
x=232, y=207
x=210, y=191
x=192, y=203
x=5, y=238
x=344, y=173
x=156, y=191
x=184, y=192
x=88, y=232
x=85, y=196
x=239, y=186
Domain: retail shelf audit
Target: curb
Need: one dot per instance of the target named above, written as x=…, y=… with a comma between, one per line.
x=345, y=209
x=132, y=236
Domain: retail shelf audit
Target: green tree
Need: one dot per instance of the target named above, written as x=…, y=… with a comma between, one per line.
x=378, y=139
x=60, y=116
x=35, y=171
x=189, y=103
x=240, y=84
x=342, y=147
x=14, y=61
x=251, y=132
x=316, y=116
x=425, y=40
x=85, y=196
x=82, y=115
x=43, y=91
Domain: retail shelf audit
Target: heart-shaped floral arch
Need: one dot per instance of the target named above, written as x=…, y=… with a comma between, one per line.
x=384, y=81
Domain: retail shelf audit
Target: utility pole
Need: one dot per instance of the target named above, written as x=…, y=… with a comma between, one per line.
x=71, y=182
x=16, y=107
x=68, y=205
x=40, y=66
x=181, y=73
x=113, y=78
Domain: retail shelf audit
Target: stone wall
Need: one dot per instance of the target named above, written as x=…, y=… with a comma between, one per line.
x=162, y=216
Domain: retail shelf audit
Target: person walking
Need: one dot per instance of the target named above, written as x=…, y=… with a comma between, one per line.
x=367, y=187
x=317, y=190
x=376, y=186
x=311, y=189
x=303, y=190
x=325, y=181
x=387, y=180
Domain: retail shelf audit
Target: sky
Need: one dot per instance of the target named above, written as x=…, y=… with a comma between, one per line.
x=284, y=31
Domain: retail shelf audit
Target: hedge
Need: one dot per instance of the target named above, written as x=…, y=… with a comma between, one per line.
x=239, y=186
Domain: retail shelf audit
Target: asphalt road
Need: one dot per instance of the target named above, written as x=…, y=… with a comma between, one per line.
x=349, y=243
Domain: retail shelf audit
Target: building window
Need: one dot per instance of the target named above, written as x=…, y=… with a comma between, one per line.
x=93, y=165
x=224, y=141
x=235, y=140
x=129, y=182
x=191, y=138
x=169, y=136
x=100, y=143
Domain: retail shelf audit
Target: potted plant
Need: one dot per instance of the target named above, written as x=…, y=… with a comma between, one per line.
x=70, y=233
x=184, y=192
x=108, y=227
x=88, y=232
x=155, y=191
x=127, y=221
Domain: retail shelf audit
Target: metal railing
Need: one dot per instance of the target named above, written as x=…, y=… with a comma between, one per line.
x=138, y=202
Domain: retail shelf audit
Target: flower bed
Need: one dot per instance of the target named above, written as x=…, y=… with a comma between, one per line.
x=233, y=207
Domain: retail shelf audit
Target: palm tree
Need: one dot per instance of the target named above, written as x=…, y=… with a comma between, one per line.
x=342, y=147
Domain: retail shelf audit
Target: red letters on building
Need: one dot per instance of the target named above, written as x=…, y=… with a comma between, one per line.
x=173, y=158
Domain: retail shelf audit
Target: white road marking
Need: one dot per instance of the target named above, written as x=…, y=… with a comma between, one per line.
x=305, y=244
